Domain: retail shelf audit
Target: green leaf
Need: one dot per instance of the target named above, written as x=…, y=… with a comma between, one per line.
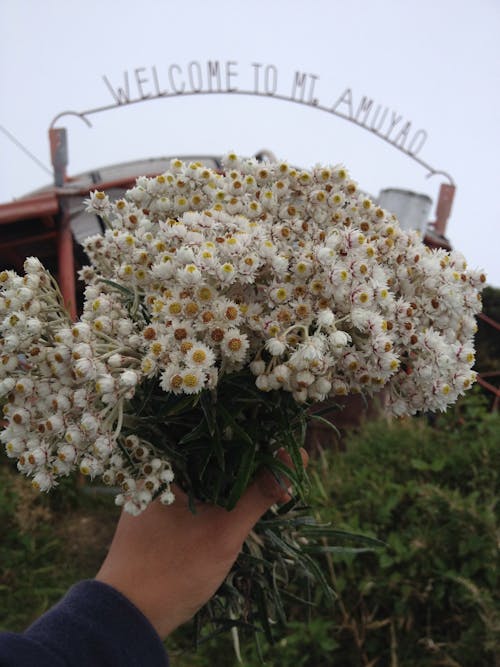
x=322, y=420
x=245, y=471
x=438, y=465
x=183, y=405
x=218, y=449
x=195, y=434
x=293, y=448
x=209, y=410
x=326, y=532
x=278, y=603
x=324, y=410
x=285, y=547
x=418, y=464
x=263, y=613
x=279, y=471
x=321, y=549
x=237, y=429
x=124, y=290
x=317, y=574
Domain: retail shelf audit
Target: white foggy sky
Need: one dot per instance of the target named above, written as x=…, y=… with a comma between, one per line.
x=434, y=62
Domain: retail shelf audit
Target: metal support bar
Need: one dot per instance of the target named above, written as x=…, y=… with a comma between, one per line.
x=58, y=139
x=66, y=260
x=443, y=208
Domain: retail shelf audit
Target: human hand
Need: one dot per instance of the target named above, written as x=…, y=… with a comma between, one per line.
x=169, y=562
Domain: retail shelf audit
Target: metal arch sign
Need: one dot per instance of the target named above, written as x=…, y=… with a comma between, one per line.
x=216, y=77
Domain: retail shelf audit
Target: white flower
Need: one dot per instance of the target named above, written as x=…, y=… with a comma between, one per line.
x=81, y=332
x=105, y=384
x=67, y=453
x=89, y=425
x=193, y=380
x=32, y=265
x=300, y=395
x=84, y=369
x=325, y=318
x=282, y=374
x=90, y=467
x=167, y=497
x=115, y=360
x=98, y=202
x=167, y=476
x=42, y=481
x=6, y=385
x=189, y=275
x=234, y=345
x=129, y=378
x=200, y=356
x=257, y=366
x=55, y=424
x=103, y=447
x=339, y=338
x=262, y=382
x=275, y=346
x=304, y=379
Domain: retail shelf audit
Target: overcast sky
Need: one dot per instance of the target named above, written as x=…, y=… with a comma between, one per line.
x=433, y=64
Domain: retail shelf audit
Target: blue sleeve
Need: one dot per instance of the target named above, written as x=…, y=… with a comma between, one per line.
x=92, y=626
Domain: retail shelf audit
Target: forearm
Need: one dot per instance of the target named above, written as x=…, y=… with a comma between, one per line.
x=92, y=625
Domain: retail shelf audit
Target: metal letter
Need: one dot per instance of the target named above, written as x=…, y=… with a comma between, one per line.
x=394, y=121
x=213, y=70
x=140, y=81
x=312, y=81
x=159, y=93
x=256, y=67
x=195, y=86
x=345, y=98
x=364, y=108
x=230, y=73
x=421, y=135
x=375, y=118
x=270, y=82
x=121, y=95
x=401, y=137
x=299, y=81
x=177, y=91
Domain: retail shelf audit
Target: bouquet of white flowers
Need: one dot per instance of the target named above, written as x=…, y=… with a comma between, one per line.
x=218, y=307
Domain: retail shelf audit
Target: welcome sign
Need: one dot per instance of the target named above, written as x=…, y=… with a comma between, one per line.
x=259, y=79
x=229, y=77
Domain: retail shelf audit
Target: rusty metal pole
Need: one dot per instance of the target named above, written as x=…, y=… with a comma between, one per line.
x=65, y=254
x=443, y=208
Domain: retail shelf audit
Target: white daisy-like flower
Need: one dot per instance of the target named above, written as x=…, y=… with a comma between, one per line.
x=275, y=346
x=200, y=356
x=193, y=380
x=234, y=345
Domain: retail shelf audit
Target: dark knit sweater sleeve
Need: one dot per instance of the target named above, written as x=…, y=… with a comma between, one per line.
x=92, y=626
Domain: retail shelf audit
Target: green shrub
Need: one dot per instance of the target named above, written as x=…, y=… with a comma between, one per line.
x=428, y=597
x=47, y=543
x=431, y=596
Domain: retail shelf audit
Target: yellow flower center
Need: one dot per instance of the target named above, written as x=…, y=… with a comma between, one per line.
x=199, y=356
x=190, y=380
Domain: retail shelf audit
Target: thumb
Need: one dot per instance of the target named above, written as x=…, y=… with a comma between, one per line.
x=265, y=491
